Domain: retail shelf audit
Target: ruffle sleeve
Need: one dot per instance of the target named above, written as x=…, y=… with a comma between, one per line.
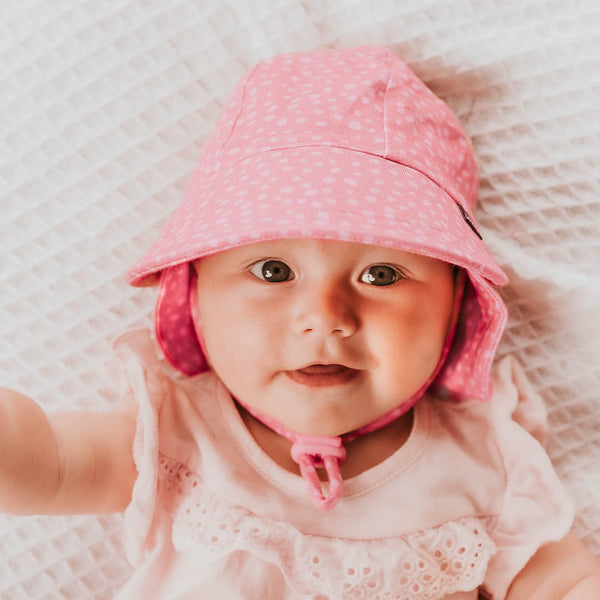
x=535, y=509
x=147, y=386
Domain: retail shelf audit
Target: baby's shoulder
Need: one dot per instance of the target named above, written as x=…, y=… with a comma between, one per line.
x=489, y=432
x=141, y=372
x=512, y=399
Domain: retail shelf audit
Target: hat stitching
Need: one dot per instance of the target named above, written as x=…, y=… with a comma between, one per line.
x=384, y=112
x=455, y=197
x=237, y=117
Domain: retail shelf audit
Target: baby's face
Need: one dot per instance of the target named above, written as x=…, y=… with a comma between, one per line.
x=323, y=336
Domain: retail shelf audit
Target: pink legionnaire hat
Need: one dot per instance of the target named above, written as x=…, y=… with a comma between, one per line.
x=339, y=145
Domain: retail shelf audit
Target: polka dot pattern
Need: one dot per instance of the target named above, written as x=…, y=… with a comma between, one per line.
x=346, y=145
x=174, y=321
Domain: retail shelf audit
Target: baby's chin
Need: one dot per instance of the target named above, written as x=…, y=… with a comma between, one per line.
x=322, y=426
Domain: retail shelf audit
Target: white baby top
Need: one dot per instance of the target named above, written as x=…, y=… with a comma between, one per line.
x=462, y=505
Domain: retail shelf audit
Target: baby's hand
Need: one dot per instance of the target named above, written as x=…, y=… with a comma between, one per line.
x=77, y=462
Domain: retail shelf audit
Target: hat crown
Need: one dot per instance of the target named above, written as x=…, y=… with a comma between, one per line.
x=366, y=100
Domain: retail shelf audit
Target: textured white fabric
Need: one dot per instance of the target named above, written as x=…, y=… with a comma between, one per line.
x=103, y=109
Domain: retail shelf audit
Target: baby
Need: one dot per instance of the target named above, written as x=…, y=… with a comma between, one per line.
x=324, y=421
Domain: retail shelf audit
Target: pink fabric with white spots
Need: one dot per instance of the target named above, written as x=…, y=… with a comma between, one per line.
x=345, y=145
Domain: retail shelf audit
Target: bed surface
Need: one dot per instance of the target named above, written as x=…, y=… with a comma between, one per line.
x=104, y=106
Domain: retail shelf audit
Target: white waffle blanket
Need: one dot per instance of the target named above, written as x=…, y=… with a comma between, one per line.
x=104, y=106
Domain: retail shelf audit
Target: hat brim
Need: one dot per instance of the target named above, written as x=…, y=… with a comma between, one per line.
x=323, y=193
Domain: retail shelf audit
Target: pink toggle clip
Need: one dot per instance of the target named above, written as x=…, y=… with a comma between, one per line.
x=311, y=452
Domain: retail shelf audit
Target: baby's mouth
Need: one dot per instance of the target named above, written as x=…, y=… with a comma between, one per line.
x=320, y=375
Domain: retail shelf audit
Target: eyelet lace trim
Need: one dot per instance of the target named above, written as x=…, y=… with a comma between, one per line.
x=423, y=565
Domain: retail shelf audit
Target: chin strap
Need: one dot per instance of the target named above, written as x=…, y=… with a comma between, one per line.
x=314, y=452
x=311, y=452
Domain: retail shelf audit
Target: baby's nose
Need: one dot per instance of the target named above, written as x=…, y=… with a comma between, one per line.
x=326, y=310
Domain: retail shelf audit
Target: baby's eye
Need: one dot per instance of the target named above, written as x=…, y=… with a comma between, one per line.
x=380, y=275
x=273, y=271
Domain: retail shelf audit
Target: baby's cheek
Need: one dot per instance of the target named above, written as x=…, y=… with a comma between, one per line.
x=407, y=352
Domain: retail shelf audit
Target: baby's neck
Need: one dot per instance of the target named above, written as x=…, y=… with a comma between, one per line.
x=363, y=453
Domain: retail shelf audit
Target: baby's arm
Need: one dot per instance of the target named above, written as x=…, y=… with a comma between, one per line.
x=72, y=462
x=563, y=570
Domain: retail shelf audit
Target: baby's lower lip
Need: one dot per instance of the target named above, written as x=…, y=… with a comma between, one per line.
x=323, y=375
